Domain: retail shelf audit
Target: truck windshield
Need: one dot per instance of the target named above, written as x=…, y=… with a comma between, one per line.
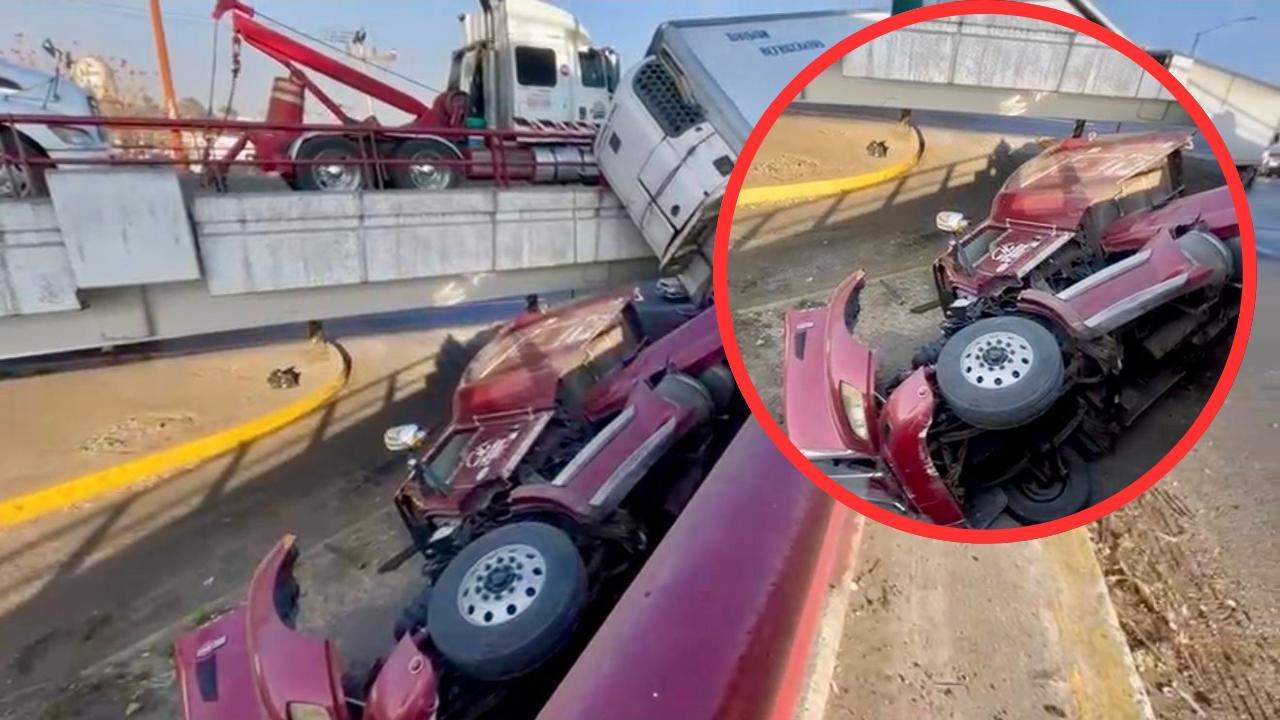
x=978, y=245
x=536, y=67
x=441, y=466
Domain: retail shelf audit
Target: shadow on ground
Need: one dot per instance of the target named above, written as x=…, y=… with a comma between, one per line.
x=92, y=606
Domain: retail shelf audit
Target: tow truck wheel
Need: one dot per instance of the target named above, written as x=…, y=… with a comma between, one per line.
x=420, y=168
x=334, y=165
x=508, y=601
x=1000, y=372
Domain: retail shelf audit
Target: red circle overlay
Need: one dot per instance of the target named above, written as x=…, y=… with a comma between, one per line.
x=721, y=258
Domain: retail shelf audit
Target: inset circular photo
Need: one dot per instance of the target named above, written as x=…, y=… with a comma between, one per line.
x=985, y=273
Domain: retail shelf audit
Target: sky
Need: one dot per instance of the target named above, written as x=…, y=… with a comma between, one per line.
x=424, y=32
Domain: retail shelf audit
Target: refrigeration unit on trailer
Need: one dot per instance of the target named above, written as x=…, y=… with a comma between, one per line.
x=682, y=114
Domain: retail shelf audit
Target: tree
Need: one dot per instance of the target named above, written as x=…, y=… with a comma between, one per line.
x=189, y=107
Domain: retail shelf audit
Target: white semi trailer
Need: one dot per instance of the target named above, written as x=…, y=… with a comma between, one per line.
x=680, y=117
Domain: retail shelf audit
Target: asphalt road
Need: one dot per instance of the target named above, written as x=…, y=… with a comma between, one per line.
x=78, y=586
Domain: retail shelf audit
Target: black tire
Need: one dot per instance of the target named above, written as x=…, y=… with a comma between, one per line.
x=1023, y=379
x=1237, y=258
x=22, y=182
x=496, y=648
x=1032, y=503
x=410, y=177
x=719, y=382
x=684, y=390
x=344, y=153
x=413, y=617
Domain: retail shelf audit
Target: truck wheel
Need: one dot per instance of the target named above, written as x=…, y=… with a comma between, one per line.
x=335, y=166
x=508, y=601
x=423, y=171
x=1000, y=372
x=1033, y=499
x=19, y=180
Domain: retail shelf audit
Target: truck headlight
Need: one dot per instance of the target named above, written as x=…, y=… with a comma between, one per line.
x=73, y=135
x=307, y=711
x=855, y=410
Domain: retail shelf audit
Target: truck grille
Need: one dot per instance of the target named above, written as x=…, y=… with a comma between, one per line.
x=657, y=89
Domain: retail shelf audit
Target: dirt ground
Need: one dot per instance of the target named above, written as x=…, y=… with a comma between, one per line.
x=88, y=419
x=810, y=146
x=1193, y=566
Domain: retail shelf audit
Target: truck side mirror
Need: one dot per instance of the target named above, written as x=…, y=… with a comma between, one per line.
x=950, y=221
x=612, y=68
x=50, y=48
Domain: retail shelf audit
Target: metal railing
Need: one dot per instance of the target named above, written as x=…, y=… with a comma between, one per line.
x=502, y=157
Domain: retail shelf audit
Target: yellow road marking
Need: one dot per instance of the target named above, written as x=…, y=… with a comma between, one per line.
x=821, y=188
x=163, y=462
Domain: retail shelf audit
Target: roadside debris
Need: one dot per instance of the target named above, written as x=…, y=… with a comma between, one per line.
x=878, y=149
x=1199, y=653
x=284, y=378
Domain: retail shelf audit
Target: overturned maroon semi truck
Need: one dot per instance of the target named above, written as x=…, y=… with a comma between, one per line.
x=582, y=438
x=1089, y=290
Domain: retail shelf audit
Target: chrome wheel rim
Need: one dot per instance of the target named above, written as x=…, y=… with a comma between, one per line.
x=428, y=176
x=502, y=585
x=337, y=173
x=996, y=360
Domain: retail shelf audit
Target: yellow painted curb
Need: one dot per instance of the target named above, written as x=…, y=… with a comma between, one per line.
x=164, y=462
x=1104, y=683
x=814, y=189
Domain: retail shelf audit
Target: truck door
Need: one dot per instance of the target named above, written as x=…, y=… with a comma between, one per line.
x=592, y=87
x=543, y=89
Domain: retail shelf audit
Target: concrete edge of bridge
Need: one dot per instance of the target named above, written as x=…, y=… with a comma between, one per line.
x=811, y=664
x=815, y=189
x=167, y=462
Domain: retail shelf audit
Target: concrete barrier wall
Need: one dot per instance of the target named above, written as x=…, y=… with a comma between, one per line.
x=35, y=273
x=1245, y=111
x=997, y=65
x=999, y=52
x=283, y=241
x=272, y=258
x=264, y=242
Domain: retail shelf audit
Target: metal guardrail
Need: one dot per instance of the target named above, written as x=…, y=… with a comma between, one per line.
x=500, y=156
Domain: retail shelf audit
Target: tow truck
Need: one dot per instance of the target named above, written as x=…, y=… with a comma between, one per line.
x=525, y=67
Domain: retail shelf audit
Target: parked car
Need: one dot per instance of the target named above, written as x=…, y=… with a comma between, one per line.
x=1082, y=297
x=26, y=91
x=578, y=434
x=1271, y=158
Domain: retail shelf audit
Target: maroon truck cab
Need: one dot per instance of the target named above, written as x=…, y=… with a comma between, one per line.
x=1040, y=302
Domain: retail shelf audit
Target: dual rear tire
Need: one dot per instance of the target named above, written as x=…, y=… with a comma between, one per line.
x=338, y=164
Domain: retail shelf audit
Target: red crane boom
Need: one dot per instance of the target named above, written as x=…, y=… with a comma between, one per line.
x=289, y=53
